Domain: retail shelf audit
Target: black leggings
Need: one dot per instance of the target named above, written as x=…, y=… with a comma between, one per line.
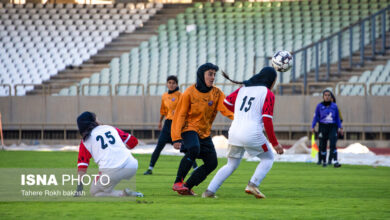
x=327, y=131
x=165, y=138
x=194, y=148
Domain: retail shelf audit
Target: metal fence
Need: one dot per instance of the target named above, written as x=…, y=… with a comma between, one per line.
x=340, y=48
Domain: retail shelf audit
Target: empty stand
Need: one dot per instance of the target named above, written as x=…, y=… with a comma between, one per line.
x=231, y=35
x=39, y=40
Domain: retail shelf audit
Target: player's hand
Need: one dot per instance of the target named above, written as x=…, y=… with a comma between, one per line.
x=279, y=149
x=177, y=145
x=159, y=126
x=79, y=190
x=341, y=132
x=313, y=131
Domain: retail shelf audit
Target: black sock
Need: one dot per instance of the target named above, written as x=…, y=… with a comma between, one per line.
x=184, y=167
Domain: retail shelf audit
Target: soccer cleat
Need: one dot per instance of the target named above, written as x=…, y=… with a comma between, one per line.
x=148, y=172
x=179, y=187
x=128, y=192
x=254, y=191
x=337, y=165
x=188, y=192
x=209, y=194
x=324, y=165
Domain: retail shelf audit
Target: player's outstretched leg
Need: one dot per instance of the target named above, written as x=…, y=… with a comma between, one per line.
x=221, y=176
x=252, y=189
x=128, y=192
x=267, y=160
x=199, y=175
x=184, y=167
x=164, y=138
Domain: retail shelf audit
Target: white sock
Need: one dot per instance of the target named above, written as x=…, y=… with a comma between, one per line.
x=223, y=174
x=113, y=193
x=267, y=159
x=150, y=168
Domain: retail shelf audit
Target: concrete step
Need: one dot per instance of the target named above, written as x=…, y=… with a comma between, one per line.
x=76, y=76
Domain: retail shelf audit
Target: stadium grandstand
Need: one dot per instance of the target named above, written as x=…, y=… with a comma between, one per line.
x=59, y=58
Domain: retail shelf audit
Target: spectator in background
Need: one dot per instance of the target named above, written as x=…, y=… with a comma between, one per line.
x=327, y=115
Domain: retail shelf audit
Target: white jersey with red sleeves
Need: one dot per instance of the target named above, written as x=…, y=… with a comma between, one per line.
x=250, y=105
x=106, y=145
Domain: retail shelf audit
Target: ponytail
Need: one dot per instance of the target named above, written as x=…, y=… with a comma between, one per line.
x=226, y=76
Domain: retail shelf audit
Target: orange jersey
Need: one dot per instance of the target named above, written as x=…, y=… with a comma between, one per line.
x=168, y=104
x=196, y=111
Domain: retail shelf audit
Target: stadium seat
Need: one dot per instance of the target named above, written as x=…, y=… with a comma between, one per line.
x=61, y=33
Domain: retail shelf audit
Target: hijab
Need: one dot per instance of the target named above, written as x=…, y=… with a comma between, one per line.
x=265, y=77
x=200, y=83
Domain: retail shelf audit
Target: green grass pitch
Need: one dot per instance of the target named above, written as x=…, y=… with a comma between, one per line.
x=293, y=190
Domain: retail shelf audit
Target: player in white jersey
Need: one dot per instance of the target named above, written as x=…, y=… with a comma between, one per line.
x=253, y=106
x=109, y=148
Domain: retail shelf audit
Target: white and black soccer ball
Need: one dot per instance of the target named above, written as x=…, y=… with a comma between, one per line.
x=282, y=61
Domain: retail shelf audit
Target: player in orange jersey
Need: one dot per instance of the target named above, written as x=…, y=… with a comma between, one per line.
x=169, y=101
x=191, y=125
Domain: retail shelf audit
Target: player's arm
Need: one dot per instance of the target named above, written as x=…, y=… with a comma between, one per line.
x=82, y=166
x=222, y=108
x=338, y=121
x=179, y=118
x=230, y=100
x=163, y=112
x=129, y=140
x=316, y=118
x=267, y=115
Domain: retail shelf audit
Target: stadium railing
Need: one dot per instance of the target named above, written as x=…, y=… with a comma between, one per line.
x=303, y=90
x=95, y=84
x=117, y=86
x=345, y=48
x=292, y=85
x=371, y=85
x=340, y=84
x=153, y=84
x=319, y=84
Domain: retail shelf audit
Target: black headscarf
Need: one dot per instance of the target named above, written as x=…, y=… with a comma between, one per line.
x=200, y=83
x=86, y=122
x=265, y=77
x=331, y=94
x=172, y=91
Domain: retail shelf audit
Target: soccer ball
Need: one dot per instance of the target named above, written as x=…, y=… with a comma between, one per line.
x=282, y=61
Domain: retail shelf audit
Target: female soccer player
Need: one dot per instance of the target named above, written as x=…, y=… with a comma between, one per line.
x=169, y=101
x=327, y=115
x=109, y=148
x=191, y=124
x=253, y=105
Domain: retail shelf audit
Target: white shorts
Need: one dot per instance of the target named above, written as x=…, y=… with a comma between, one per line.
x=238, y=151
x=115, y=175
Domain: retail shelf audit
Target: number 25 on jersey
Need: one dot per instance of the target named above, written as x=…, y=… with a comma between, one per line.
x=110, y=138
